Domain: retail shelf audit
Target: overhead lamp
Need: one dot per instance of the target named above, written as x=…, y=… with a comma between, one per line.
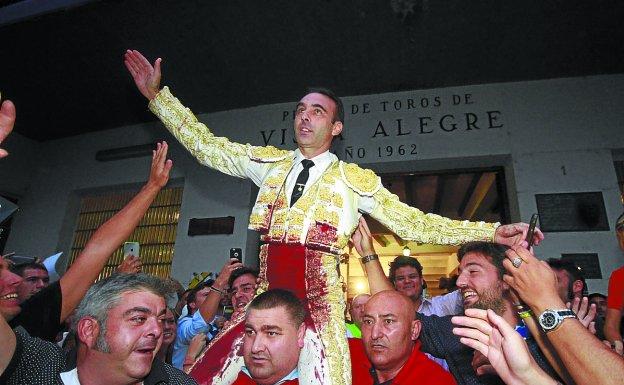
x=406, y=251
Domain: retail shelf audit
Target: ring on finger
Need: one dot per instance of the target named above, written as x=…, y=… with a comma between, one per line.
x=517, y=262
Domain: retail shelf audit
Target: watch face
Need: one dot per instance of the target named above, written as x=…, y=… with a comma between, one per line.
x=548, y=320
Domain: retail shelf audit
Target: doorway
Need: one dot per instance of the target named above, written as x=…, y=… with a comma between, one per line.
x=477, y=194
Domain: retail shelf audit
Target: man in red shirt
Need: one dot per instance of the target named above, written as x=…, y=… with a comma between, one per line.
x=615, y=305
x=274, y=334
x=615, y=298
x=389, y=352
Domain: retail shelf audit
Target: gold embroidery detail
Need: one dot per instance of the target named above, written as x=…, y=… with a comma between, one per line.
x=321, y=214
x=268, y=154
x=296, y=220
x=342, y=241
x=361, y=180
x=409, y=223
x=333, y=334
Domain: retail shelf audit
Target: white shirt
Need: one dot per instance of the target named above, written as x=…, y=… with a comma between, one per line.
x=290, y=376
x=71, y=377
x=321, y=163
x=441, y=305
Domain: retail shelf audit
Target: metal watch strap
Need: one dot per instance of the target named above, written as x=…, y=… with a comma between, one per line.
x=369, y=258
x=559, y=316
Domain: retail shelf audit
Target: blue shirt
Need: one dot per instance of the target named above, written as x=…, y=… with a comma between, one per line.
x=189, y=327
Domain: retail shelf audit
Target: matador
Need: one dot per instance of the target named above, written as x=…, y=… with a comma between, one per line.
x=305, y=221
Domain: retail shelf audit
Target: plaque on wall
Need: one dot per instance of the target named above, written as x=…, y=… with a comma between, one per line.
x=588, y=262
x=211, y=226
x=572, y=212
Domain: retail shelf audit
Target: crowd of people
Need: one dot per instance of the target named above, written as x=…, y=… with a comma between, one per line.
x=513, y=318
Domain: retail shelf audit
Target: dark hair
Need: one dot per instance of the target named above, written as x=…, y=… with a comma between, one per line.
x=339, y=115
x=402, y=261
x=20, y=268
x=273, y=298
x=193, y=293
x=494, y=252
x=594, y=295
x=240, y=272
x=574, y=272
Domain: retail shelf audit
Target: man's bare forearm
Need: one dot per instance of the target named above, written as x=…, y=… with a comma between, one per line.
x=612, y=325
x=548, y=350
x=101, y=246
x=377, y=280
x=587, y=359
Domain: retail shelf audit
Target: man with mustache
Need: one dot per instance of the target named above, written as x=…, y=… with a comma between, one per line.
x=119, y=328
x=308, y=206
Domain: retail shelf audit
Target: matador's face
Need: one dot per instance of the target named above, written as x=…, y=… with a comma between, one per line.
x=314, y=126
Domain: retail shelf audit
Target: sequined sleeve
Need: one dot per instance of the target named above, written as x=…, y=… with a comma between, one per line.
x=409, y=223
x=210, y=150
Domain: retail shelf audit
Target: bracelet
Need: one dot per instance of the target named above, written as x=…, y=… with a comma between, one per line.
x=369, y=258
x=221, y=292
x=525, y=314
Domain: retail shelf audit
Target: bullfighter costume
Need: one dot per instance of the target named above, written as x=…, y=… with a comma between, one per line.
x=302, y=243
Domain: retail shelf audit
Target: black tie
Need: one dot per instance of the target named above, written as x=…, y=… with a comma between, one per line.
x=301, y=181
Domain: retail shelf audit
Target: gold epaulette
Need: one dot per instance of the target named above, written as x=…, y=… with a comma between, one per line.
x=363, y=181
x=267, y=154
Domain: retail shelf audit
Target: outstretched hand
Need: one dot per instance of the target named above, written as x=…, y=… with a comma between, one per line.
x=532, y=279
x=146, y=77
x=584, y=312
x=159, y=173
x=7, y=119
x=505, y=349
x=226, y=271
x=515, y=234
x=362, y=239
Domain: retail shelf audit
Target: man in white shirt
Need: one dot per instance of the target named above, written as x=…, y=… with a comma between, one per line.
x=119, y=329
x=406, y=277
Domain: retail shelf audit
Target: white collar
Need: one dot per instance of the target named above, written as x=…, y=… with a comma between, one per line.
x=71, y=377
x=322, y=161
x=290, y=376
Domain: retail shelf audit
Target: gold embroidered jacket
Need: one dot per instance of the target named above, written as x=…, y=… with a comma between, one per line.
x=327, y=214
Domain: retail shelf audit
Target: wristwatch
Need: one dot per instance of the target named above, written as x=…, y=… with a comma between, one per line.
x=550, y=319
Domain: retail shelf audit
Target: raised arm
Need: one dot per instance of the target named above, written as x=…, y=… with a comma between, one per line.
x=208, y=309
x=505, y=349
x=410, y=223
x=215, y=152
x=587, y=359
x=7, y=119
x=107, y=238
x=145, y=75
x=362, y=240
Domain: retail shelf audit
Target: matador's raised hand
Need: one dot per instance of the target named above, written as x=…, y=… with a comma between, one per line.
x=146, y=77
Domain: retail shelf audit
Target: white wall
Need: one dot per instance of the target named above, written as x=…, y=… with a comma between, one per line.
x=552, y=136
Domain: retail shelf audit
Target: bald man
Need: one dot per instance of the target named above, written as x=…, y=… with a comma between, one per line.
x=356, y=310
x=390, y=343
